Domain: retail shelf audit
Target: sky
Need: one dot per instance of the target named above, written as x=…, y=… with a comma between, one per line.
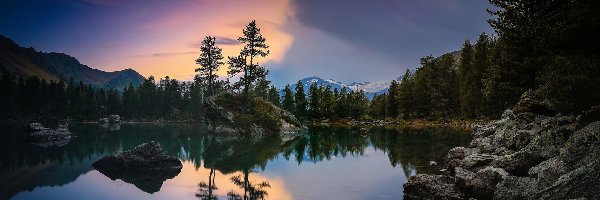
x=345, y=40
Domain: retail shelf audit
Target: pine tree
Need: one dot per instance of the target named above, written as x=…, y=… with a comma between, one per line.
x=327, y=103
x=405, y=95
x=262, y=88
x=210, y=61
x=392, y=100
x=300, y=101
x=288, y=99
x=244, y=63
x=466, y=79
x=274, y=96
x=314, y=101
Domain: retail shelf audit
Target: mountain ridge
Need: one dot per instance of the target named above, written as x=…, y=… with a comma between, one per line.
x=53, y=66
x=370, y=88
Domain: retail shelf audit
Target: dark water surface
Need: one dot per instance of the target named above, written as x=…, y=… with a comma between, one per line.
x=328, y=163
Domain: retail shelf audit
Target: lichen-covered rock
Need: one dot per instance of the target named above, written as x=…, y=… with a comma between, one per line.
x=483, y=184
x=581, y=182
x=547, y=172
x=423, y=186
x=513, y=187
x=583, y=147
x=532, y=102
x=530, y=153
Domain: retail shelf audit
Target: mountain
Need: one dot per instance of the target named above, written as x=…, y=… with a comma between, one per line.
x=370, y=88
x=59, y=66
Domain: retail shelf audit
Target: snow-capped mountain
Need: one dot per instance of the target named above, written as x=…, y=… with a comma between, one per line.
x=370, y=88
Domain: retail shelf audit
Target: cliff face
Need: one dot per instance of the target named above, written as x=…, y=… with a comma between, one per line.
x=52, y=66
x=530, y=153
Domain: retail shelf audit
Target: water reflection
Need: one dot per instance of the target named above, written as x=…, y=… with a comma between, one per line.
x=237, y=166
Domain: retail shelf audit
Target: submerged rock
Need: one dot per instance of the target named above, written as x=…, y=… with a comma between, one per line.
x=146, y=166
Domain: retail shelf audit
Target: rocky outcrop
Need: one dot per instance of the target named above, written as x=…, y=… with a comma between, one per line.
x=146, y=166
x=47, y=137
x=236, y=115
x=530, y=153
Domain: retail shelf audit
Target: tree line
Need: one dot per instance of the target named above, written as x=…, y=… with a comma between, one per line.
x=546, y=46
x=549, y=47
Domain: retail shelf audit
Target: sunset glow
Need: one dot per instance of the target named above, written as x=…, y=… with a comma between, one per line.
x=344, y=40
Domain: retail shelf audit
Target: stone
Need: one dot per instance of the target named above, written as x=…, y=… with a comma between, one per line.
x=146, y=166
x=532, y=102
x=483, y=184
x=103, y=120
x=114, y=119
x=547, y=172
x=513, y=187
x=424, y=186
x=579, y=183
x=46, y=137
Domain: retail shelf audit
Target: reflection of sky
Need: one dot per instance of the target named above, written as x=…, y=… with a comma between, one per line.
x=353, y=177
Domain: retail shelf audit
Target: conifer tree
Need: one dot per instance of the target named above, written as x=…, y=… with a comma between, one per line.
x=288, y=99
x=254, y=46
x=466, y=79
x=405, y=95
x=300, y=101
x=392, y=100
x=274, y=96
x=314, y=101
x=210, y=61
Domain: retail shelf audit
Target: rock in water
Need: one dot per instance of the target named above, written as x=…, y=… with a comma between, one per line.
x=146, y=166
x=47, y=137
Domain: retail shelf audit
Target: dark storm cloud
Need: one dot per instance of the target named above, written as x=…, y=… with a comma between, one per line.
x=396, y=27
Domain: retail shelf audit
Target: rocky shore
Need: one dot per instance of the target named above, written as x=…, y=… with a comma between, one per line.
x=530, y=153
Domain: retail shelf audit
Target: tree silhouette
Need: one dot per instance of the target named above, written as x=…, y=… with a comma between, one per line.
x=244, y=63
x=210, y=61
x=205, y=190
x=252, y=191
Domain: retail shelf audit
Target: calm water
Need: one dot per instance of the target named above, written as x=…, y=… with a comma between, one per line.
x=328, y=163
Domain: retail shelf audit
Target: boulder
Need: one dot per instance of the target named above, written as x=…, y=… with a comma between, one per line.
x=532, y=102
x=513, y=187
x=47, y=137
x=146, y=166
x=114, y=119
x=103, y=120
x=424, y=186
x=483, y=183
x=579, y=183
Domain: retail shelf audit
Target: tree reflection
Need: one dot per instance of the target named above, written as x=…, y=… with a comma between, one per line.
x=205, y=190
x=252, y=191
x=408, y=148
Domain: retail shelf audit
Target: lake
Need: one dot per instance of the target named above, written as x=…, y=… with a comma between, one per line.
x=327, y=163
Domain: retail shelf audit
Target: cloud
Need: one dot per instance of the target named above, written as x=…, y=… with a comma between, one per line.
x=226, y=41
x=405, y=29
x=169, y=54
x=103, y=2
